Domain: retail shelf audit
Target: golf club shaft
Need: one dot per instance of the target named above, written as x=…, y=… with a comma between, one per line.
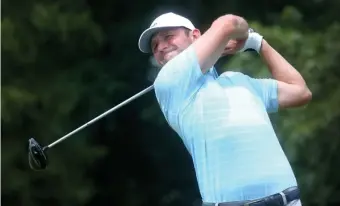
x=102, y=115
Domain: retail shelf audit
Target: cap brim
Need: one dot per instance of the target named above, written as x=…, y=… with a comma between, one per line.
x=145, y=38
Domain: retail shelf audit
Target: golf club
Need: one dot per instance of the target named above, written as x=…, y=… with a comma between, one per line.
x=37, y=157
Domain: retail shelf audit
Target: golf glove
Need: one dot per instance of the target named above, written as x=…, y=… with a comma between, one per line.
x=253, y=42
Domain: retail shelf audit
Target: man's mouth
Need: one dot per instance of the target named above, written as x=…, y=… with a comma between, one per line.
x=168, y=54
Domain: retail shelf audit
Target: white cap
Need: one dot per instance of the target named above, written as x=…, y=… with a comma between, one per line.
x=167, y=20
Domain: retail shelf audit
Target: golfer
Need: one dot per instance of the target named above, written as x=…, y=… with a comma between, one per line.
x=223, y=120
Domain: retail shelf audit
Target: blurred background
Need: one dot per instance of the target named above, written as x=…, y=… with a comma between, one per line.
x=65, y=62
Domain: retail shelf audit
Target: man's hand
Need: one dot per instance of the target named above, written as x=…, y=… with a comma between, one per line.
x=233, y=46
x=253, y=41
x=210, y=46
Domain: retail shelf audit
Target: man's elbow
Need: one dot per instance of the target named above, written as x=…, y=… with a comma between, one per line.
x=306, y=96
x=295, y=96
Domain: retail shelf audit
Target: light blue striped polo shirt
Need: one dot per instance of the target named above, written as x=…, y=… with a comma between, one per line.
x=223, y=122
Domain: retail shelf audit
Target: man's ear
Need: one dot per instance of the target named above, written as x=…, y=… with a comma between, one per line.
x=195, y=34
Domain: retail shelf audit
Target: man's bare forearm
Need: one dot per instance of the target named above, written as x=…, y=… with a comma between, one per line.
x=292, y=88
x=211, y=44
x=279, y=67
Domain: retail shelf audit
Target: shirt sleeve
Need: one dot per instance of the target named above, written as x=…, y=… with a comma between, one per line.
x=178, y=81
x=267, y=90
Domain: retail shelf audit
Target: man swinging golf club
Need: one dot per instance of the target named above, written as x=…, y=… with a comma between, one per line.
x=223, y=120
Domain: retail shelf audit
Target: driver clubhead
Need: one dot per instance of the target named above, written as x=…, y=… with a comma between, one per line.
x=37, y=158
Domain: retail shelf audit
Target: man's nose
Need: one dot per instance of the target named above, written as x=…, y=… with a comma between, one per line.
x=163, y=46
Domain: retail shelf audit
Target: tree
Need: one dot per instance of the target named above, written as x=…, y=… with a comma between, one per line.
x=66, y=62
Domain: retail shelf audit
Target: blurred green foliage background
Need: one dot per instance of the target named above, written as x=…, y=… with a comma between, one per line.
x=65, y=62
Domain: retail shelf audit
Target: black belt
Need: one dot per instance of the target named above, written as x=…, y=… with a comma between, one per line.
x=278, y=199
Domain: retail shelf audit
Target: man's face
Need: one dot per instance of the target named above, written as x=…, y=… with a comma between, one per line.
x=168, y=43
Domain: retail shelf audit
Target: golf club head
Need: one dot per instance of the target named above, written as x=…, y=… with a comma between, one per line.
x=37, y=158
